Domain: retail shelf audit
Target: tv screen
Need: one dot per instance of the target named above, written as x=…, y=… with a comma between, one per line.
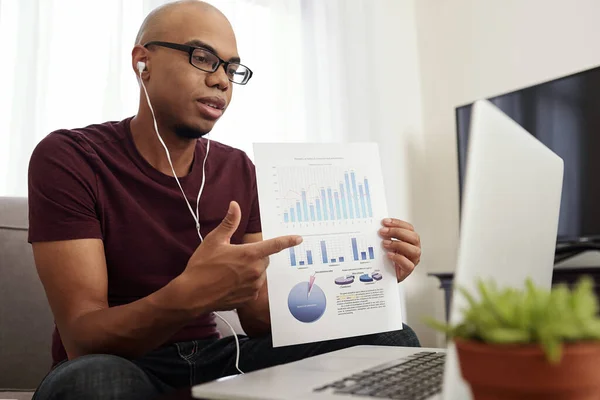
x=564, y=114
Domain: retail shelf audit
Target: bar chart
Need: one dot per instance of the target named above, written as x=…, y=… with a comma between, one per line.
x=341, y=195
x=331, y=249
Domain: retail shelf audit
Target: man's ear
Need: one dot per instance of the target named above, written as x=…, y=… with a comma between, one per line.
x=139, y=59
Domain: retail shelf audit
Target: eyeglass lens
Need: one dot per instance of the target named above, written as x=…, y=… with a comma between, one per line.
x=209, y=62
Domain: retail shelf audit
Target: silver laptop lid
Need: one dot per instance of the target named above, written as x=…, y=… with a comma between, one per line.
x=509, y=218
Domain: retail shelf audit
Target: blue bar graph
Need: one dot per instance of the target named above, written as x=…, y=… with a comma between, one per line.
x=350, y=208
x=294, y=260
x=362, y=200
x=330, y=198
x=354, y=194
x=318, y=202
x=324, y=204
x=354, y=249
x=305, y=206
x=368, y=194
x=337, y=206
x=363, y=254
x=349, y=198
x=343, y=194
x=324, y=251
x=335, y=249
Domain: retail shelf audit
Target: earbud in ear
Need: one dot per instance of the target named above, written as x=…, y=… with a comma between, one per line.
x=141, y=66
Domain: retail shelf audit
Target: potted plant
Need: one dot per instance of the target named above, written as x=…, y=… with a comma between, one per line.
x=529, y=343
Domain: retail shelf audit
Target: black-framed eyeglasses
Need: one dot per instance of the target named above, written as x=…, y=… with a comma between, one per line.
x=207, y=61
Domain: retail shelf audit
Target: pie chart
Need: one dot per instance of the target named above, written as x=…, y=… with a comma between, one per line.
x=344, y=280
x=304, y=306
x=366, y=278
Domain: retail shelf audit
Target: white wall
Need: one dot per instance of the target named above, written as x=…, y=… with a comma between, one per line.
x=382, y=98
x=395, y=98
x=472, y=49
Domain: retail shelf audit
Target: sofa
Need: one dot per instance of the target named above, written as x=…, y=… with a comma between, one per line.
x=26, y=321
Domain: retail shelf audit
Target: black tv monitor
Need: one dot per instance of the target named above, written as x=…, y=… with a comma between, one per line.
x=564, y=114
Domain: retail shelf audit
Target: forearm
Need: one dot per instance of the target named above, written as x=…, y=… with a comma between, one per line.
x=133, y=329
x=255, y=316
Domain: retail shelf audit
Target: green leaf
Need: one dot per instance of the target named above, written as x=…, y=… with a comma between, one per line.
x=506, y=335
x=552, y=348
x=565, y=331
x=585, y=304
x=589, y=329
x=528, y=315
x=438, y=325
x=470, y=299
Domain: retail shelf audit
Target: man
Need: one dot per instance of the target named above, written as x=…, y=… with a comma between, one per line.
x=131, y=285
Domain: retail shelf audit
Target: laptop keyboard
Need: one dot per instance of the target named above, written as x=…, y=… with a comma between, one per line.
x=416, y=377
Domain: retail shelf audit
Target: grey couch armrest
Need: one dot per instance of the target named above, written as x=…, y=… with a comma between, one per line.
x=26, y=321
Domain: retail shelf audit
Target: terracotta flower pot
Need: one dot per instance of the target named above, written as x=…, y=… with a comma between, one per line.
x=521, y=372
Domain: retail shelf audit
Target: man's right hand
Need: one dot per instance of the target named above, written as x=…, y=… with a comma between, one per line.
x=221, y=275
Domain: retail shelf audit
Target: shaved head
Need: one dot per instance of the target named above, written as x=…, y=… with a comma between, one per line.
x=166, y=17
x=187, y=100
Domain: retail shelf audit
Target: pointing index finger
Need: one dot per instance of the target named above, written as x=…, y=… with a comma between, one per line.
x=272, y=246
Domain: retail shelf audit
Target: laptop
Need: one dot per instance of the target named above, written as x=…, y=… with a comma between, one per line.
x=509, y=224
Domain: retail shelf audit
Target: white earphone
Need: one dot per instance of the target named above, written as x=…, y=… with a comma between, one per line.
x=141, y=66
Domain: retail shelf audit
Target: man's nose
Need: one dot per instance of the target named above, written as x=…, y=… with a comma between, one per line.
x=218, y=78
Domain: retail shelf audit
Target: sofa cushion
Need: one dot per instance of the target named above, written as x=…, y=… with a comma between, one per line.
x=15, y=395
x=26, y=321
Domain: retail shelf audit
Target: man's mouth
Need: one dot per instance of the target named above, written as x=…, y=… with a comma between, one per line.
x=214, y=102
x=212, y=107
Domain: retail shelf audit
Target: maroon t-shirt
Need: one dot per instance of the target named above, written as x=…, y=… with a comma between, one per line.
x=93, y=183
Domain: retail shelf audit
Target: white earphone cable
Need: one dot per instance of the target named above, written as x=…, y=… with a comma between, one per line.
x=202, y=186
x=237, y=344
x=196, y=216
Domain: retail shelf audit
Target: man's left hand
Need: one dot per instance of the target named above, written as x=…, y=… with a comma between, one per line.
x=403, y=246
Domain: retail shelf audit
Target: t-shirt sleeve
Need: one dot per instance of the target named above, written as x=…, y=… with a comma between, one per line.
x=62, y=191
x=254, y=224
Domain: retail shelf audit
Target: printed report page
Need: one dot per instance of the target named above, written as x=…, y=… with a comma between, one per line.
x=338, y=282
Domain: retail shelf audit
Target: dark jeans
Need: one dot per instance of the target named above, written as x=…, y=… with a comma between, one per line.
x=101, y=376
